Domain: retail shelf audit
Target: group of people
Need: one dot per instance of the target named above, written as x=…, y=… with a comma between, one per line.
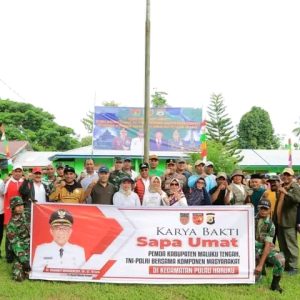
x=275, y=199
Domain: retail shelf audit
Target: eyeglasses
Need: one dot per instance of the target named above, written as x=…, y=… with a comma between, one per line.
x=172, y=184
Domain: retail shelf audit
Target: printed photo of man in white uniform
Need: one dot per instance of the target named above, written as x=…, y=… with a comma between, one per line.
x=59, y=253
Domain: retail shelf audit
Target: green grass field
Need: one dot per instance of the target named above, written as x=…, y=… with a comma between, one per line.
x=33, y=289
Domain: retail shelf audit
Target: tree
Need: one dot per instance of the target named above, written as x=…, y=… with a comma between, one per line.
x=24, y=121
x=219, y=127
x=218, y=153
x=110, y=103
x=159, y=100
x=88, y=121
x=255, y=130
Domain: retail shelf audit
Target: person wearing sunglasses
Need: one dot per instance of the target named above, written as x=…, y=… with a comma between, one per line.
x=199, y=195
x=176, y=196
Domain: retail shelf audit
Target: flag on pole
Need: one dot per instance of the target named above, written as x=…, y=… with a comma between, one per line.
x=5, y=141
x=290, y=161
x=203, y=141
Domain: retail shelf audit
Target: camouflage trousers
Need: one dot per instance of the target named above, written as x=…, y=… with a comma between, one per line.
x=18, y=273
x=275, y=258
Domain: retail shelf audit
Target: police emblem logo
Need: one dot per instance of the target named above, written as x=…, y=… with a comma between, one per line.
x=184, y=218
x=198, y=218
x=61, y=214
x=210, y=218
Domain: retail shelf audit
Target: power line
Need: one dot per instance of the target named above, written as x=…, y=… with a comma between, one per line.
x=12, y=89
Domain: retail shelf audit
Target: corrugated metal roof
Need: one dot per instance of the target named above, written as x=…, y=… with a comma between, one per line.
x=30, y=159
x=269, y=158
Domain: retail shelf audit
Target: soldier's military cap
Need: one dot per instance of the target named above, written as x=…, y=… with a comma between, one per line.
x=16, y=201
x=264, y=203
x=118, y=159
x=69, y=169
x=61, y=217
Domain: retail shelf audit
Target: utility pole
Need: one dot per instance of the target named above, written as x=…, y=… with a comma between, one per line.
x=147, y=84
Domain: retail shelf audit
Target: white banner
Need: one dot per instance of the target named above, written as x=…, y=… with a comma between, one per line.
x=206, y=244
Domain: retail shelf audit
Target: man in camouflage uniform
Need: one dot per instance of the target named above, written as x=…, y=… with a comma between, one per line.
x=264, y=248
x=117, y=174
x=18, y=234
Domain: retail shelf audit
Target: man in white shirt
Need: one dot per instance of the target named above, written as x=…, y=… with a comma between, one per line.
x=87, y=177
x=59, y=253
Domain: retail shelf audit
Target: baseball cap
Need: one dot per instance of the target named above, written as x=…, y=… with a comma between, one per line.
x=153, y=156
x=222, y=174
x=61, y=217
x=103, y=169
x=170, y=161
x=17, y=167
x=289, y=171
x=209, y=163
x=37, y=170
x=181, y=160
x=118, y=159
x=144, y=165
x=68, y=169
x=274, y=178
x=199, y=162
x=264, y=203
x=127, y=159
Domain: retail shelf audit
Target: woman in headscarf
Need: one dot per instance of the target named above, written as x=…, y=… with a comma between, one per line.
x=176, y=196
x=199, y=195
x=126, y=197
x=155, y=195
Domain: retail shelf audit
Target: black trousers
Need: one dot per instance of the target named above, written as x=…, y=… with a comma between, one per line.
x=1, y=229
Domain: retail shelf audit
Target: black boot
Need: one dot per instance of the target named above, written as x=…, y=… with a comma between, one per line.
x=275, y=284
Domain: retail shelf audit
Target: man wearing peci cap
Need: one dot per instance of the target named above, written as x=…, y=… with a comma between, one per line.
x=34, y=190
x=69, y=190
x=285, y=217
x=143, y=182
x=101, y=190
x=59, y=253
x=264, y=248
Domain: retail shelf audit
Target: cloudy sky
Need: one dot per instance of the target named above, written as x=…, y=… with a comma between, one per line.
x=67, y=55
